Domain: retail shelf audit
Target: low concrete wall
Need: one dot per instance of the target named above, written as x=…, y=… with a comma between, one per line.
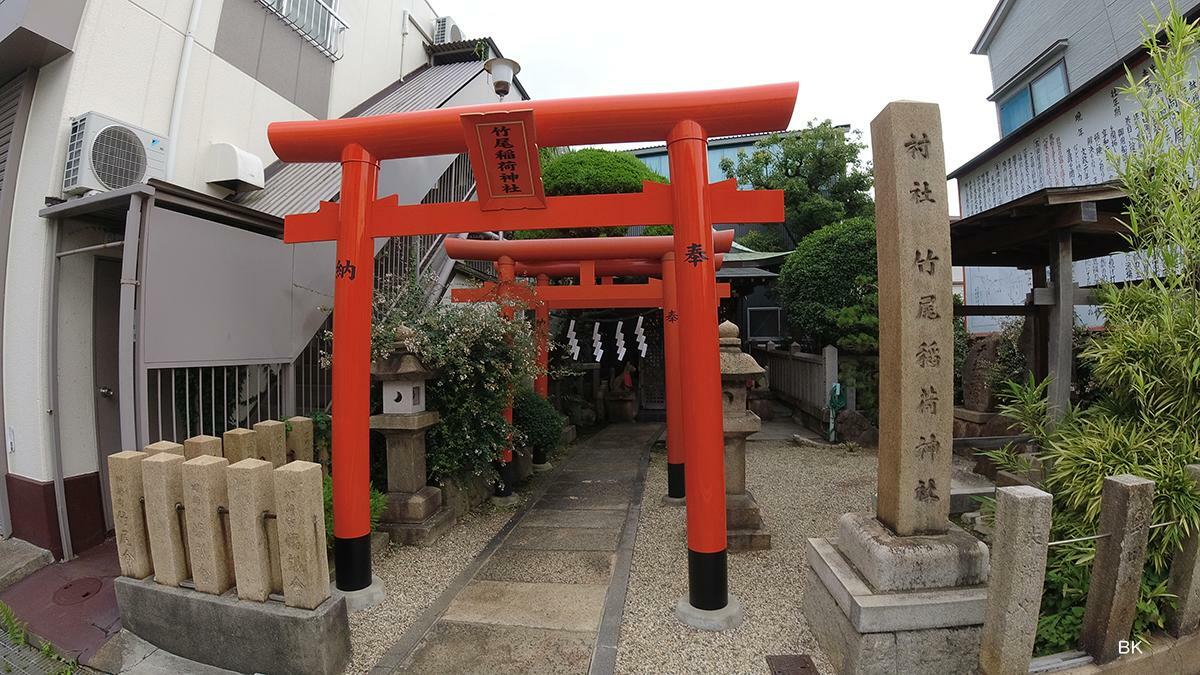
x=1163, y=654
x=239, y=635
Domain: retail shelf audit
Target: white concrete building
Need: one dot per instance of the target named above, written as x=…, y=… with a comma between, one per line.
x=146, y=292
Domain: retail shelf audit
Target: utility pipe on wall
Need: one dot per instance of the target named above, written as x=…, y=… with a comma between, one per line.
x=181, y=80
x=403, y=40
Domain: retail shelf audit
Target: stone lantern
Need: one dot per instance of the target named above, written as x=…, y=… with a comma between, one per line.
x=415, y=514
x=739, y=370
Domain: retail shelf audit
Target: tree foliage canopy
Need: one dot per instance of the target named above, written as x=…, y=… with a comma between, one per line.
x=830, y=276
x=820, y=171
x=590, y=171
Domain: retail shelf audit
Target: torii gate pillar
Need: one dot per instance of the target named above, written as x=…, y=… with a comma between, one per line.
x=676, y=457
x=353, y=291
x=541, y=324
x=708, y=604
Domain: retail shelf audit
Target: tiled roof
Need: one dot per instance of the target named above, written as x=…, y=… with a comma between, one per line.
x=300, y=187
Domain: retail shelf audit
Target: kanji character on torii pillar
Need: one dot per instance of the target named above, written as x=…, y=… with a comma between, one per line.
x=585, y=259
x=514, y=200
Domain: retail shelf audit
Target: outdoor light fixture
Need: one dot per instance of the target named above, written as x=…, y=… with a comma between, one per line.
x=503, y=72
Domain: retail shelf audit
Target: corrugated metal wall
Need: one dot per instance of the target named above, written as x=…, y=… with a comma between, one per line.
x=10, y=98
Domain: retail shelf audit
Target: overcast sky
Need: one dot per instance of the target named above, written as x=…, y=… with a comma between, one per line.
x=850, y=58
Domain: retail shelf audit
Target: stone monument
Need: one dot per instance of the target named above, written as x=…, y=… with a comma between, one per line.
x=904, y=591
x=415, y=515
x=743, y=517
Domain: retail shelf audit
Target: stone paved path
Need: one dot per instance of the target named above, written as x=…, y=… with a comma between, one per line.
x=549, y=596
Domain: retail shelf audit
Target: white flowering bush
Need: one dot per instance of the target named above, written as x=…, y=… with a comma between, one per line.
x=479, y=359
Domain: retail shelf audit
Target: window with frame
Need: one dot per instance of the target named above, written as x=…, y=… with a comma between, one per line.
x=1033, y=98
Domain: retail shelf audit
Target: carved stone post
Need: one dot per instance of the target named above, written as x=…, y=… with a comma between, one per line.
x=859, y=600
x=415, y=514
x=743, y=517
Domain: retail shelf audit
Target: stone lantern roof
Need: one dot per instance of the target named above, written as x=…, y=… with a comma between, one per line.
x=734, y=362
x=401, y=364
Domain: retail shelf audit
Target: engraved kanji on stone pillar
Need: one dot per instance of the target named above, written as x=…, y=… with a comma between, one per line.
x=301, y=519
x=129, y=521
x=916, y=339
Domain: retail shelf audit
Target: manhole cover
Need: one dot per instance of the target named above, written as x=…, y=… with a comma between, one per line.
x=791, y=664
x=75, y=592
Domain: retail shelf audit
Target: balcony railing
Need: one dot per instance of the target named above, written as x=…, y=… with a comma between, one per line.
x=315, y=20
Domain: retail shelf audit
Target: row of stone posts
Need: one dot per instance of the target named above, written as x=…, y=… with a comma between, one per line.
x=1020, y=543
x=225, y=514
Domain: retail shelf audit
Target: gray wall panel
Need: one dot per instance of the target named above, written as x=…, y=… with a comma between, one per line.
x=313, y=81
x=240, y=34
x=279, y=59
x=261, y=45
x=214, y=294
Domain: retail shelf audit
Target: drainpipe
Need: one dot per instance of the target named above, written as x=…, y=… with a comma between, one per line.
x=181, y=79
x=56, y=462
x=403, y=40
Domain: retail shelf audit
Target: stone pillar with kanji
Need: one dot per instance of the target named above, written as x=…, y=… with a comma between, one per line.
x=415, y=514
x=739, y=371
x=861, y=583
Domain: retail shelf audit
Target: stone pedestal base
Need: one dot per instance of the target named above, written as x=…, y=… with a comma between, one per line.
x=542, y=468
x=239, y=635
x=416, y=518
x=878, y=603
x=363, y=598
x=729, y=616
x=505, y=500
x=422, y=533
x=745, y=528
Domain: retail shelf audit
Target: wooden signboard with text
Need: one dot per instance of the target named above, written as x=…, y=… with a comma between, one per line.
x=504, y=157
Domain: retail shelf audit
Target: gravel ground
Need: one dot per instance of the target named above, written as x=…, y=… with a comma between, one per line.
x=802, y=491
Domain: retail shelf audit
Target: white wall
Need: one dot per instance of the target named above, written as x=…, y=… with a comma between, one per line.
x=124, y=65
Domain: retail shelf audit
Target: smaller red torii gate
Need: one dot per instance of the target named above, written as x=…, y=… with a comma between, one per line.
x=588, y=294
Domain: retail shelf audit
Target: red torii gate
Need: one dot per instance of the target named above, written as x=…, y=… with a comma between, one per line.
x=684, y=120
x=589, y=295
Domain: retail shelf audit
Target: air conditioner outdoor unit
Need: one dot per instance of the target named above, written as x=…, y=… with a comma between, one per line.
x=105, y=154
x=445, y=30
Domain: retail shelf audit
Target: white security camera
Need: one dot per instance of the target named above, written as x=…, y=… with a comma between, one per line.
x=503, y=72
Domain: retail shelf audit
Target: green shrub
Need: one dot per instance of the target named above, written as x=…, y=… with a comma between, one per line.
x=478, y=357
x=590, y=171
x=538, y=421
x=1145, y=365
x=767, y=240
x=818, y=280
x=379, y=502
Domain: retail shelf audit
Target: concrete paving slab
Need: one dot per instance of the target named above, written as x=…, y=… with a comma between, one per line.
x=540, y=517
x=780, y=430
x=592, y=488
x=562, y=567
x=128, y=654
x=562, y=538
x=78, y=628
x=607, y=501
x=570, y=607
x=19, y=559
x=512, y=650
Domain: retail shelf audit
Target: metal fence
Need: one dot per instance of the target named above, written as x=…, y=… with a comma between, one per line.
x=186, y=402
